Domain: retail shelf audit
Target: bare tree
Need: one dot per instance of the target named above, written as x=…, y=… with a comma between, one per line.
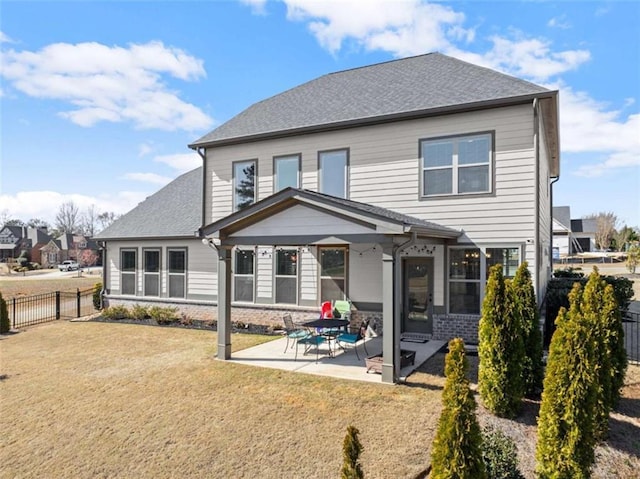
x=624, y=236
x=89, y=221
x=105, y=219
x=67, y=219
x=14, y=222
x=38, y=223
x=606, y=222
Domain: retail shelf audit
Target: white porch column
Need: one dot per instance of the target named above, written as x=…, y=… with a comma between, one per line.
x=390, y=360
x=224, y=302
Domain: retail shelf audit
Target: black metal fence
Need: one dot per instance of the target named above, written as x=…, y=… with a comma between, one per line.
x=631, y=326
x=42, y=308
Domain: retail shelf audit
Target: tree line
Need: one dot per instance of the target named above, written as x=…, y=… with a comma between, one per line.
x=69, y=219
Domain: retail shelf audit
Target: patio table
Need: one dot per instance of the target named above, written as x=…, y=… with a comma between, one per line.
x=332, y=325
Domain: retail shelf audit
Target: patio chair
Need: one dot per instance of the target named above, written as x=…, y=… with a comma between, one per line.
x=293, y=332
x=309, y=342
x=343, y=307
x=353, y=337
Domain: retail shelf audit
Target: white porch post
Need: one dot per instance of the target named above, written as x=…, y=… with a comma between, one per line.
x=224, y=303
x=389, y=360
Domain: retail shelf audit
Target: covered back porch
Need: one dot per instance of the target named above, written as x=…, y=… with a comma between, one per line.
x=307, y=220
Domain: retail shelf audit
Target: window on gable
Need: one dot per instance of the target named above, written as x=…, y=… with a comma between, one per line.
x=177, y=272
x=456, y=166
x=151, y=272
x=244, y=184
x=287, y=276
x=244, y=275
x=333, y=166
x=128, y=260
x=286, y=172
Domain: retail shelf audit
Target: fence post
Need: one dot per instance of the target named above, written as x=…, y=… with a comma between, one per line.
x=78, y=302
x=14, y=313
x=57, y=304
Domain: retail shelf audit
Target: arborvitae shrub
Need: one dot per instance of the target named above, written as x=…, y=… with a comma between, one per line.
x=97, y=296
x=500, y=349
x=566, y=422
x=525, y=308
x=5, y=324
x=351, y=449
x=457, y=447
x=500, y=455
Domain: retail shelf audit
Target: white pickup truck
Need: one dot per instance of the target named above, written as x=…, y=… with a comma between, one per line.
x=68, y=266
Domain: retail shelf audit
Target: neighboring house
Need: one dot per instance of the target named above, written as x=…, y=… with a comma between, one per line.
x=395, y=186
x=76, y=247
x=572, y=237
x=15, y=239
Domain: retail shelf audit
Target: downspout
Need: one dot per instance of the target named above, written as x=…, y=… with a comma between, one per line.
x=553, y=180
x=203, y=155
x=536, y=243
x=103, y=291
x=397, y=299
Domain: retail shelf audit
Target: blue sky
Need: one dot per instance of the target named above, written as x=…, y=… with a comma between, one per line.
x=100, y=99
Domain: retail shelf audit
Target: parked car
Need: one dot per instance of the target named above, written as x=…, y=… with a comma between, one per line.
x=68, y=265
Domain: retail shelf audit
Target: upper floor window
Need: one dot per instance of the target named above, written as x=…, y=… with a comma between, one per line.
x=333, y=166
x=456, y=165
x=128, y=271
x=244, y=184
x=286, y=172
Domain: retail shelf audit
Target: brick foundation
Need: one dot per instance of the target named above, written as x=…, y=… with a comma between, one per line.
x=465, y=326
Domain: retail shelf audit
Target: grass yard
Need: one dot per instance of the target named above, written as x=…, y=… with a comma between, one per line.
x=91, y=400
x=11, y=287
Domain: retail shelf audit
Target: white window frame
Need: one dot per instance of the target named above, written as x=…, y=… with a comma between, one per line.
x=171, y=274
x=455, y=167
x=146, y=274
x=133, y=273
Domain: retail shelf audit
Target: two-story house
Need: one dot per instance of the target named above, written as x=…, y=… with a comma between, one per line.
x=395, y=186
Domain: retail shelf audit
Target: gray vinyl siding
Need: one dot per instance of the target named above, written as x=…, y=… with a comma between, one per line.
x=202, y=265
x=545, y=216
x=264, y=274
x=385, y=169
x=365, y=273
x=309, y=274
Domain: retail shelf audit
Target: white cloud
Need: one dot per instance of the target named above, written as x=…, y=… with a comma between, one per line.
x=112, y=84
x=182, y=162
x=4, y=38
x=559, y=22
x=45, y=204
x=258, y=7
x=144, y=149
x=148, y=178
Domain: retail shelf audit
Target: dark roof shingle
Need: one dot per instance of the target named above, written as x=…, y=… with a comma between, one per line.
x=399, y=87
x=173, y=211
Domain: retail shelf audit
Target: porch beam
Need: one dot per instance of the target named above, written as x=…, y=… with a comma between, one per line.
x=302, y=240
x=390, y=360
x=224, y=303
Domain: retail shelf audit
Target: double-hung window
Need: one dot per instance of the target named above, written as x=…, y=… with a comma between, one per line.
x=333, y=169
x=333, y=274
x=286, y=172
x=287, y=276
x=244, y=184
x=128, y=260
x=458, y=165
x=509, y=258
x=151, y=272
x=244, y=275
x=177, y=272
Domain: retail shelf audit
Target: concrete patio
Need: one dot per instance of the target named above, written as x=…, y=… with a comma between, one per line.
x=344, y=364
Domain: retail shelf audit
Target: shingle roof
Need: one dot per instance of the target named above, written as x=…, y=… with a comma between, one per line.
x=416, y=85
x=562, y=214
x=173, y=211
